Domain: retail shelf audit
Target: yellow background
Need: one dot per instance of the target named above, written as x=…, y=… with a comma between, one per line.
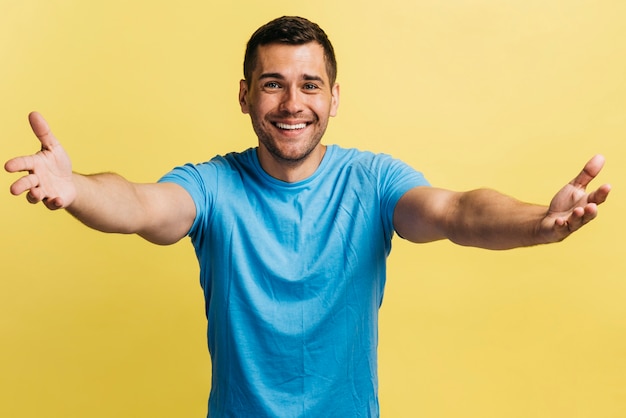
x=515, y=95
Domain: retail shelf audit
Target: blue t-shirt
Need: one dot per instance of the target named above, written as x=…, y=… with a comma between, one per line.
x=293, y=276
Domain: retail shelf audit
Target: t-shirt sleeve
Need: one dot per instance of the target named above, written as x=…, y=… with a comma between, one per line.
x=193, y=179
x=395, y=179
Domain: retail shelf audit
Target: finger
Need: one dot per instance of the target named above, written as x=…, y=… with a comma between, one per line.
x=589, y=172
x=42, y=130
x=35, y=195
x=581, y=216
x=25, y=183
x=31, y=199
x=53, y=204
x=25, y=163
x=590, y=212
x=599, y=196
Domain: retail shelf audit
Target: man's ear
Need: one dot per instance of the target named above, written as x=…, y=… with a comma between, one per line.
x=334, y=104
x=243, y=96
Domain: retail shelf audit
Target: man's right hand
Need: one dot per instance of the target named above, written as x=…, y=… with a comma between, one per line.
x=49, y=178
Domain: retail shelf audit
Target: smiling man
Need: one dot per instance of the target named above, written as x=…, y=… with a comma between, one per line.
x=290, y=96
x=292, y=236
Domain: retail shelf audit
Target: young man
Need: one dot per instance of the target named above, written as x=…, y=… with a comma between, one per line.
x=292, y=236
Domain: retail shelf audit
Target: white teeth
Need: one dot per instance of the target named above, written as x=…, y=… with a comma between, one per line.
x=291, y=127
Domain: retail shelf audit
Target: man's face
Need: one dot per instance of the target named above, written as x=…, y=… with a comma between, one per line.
x=289, y=99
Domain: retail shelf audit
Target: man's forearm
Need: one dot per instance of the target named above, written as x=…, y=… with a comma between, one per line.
x=488, y=219
x=107, y=202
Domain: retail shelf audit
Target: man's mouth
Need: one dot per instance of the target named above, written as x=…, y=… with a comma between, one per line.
x=289, y=127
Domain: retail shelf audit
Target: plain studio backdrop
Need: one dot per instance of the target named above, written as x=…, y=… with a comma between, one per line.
x=514, y=95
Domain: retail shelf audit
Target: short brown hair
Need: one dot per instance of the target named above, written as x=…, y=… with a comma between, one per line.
x=291, y=30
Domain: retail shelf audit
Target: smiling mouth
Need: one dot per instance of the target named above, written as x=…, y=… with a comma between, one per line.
x=289, y=127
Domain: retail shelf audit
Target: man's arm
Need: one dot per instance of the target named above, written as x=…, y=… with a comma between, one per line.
x=488, y=219
x=161, y=213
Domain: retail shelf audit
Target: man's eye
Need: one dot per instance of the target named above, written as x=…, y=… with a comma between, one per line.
x=310, y=86
x=272, y=85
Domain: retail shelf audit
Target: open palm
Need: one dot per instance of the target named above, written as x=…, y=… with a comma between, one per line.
x=49, y=178
x=573, y=206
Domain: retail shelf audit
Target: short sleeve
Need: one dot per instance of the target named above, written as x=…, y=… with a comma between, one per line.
x=395, y=179
x=193, y=178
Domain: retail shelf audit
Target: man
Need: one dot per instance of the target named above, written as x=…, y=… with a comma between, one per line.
x=292, y=236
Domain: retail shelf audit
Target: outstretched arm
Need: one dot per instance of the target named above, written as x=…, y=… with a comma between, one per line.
x=488, y=219
x=161, y=213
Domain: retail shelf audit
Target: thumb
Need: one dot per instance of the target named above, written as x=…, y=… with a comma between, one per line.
x=589, y=172
x=42, y=131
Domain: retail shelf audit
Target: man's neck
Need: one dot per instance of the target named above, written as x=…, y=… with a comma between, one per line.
x=291, y=171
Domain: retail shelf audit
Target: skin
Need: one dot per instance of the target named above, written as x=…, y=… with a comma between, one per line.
x=289, y=99
x=488, y=219
x=162, y=213
x=290, y=88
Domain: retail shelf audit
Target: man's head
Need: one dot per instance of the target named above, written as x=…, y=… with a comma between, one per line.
x=289, y=30
x=290, y=93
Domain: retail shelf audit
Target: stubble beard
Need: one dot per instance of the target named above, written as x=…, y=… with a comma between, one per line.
x=293, y=158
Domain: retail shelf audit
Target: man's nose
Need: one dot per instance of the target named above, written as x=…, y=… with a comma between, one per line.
x=291, y=101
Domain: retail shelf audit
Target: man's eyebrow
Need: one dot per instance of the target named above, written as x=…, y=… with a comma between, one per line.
x=279, y=76
x=308, y=77
x=272, y=75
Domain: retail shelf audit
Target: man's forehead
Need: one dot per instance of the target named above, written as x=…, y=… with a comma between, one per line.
x=278, y=58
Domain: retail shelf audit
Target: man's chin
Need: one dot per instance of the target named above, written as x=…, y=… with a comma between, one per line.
x=290, y=155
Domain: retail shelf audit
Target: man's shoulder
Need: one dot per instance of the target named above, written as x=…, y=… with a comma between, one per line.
x=231, y=162
x=218, y=167
x=356, y=156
